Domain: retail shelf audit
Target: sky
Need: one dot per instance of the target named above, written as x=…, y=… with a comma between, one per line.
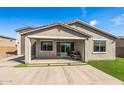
x=109, y=19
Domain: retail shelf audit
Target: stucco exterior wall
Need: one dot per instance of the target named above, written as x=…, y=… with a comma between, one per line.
x=89, y=53
x=108, y=55
x=45, y=54
x=78, y=46
x=57, y=31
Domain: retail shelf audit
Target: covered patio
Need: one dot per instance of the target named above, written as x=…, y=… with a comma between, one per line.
x=34, y=54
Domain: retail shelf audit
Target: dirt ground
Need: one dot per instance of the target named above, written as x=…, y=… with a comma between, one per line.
x=7, y=51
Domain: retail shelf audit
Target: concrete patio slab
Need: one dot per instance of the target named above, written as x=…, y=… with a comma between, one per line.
x=56, y=75
x=59, y=75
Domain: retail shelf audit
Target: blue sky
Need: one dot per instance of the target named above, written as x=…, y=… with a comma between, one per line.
x=109, y=19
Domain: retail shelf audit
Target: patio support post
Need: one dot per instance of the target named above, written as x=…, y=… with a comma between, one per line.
x=27, y=50
x=86, y=49
x=37, y=48
x=83, y=51
x=18, y=44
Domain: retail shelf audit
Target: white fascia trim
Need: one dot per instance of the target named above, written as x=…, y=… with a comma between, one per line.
x=100, y=39
x=49, y=37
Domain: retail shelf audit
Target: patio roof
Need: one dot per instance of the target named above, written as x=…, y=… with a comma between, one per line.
x=50, y=37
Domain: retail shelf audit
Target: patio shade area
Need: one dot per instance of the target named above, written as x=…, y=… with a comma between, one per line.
x=58, y=47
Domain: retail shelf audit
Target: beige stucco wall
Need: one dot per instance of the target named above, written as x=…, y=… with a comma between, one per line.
x=57, y=31
x=44, y=54
x=4, y=42
x=89, y=54
x=78, y=46
x=108, y=55
x=23, y=44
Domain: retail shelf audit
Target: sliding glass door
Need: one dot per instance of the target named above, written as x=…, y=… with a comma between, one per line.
x=64, y=48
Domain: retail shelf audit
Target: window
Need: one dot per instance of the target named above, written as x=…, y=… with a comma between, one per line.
x=46, y=46
x=99, y=46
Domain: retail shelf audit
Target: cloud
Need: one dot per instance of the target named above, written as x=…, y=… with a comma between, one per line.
x=118, y=20
x=94, y=22
x=84, y=11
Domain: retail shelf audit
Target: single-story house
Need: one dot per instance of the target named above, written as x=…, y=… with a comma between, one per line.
x=120, y=46
x=7, y=46
x=55, y=40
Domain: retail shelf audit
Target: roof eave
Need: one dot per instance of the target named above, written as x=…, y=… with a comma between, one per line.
x=86, y=24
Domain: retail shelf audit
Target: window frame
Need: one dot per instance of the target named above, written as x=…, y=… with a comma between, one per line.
x=41, y=47
x=99, y=45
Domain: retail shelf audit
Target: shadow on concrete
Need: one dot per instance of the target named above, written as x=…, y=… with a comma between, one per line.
x=18, y=59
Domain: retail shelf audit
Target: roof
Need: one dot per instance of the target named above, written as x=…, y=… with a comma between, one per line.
x=52, y=25
x=66, y=25
x=24, y=28
x=92, y=27
x=7, y=37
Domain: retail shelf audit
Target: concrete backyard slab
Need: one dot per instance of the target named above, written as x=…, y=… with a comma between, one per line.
x=56, y=75
x=10, y=61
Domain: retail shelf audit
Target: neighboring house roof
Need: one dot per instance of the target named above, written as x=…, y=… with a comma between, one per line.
x=92, y=27
x=121, y=37
x=7, y=37
x=52, y=25
x=66, y=25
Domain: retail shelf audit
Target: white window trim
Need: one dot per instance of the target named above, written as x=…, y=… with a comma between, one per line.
x=100, y=51
x=46, y=50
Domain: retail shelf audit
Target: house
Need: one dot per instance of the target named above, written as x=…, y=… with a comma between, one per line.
x=120, y=46
x=55, y=40
x=7, y=46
